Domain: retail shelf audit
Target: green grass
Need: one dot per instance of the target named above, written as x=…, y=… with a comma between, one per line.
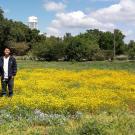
x=117, y=65
x=118, y=122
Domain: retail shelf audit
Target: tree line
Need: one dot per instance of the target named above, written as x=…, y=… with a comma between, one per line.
x=90, y=45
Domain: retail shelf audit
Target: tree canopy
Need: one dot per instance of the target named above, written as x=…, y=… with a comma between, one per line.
x=90, y=45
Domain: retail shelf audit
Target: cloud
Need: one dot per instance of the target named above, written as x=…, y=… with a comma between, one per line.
x=78, y=19
x=121, y=12
x=120, y=15
x=53, y=6
x=106, y=0
x=102, y=0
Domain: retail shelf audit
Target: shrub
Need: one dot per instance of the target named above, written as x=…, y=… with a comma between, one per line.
x=131, y=50
x=108, y=54
x=121, y=57
x=49, y=49
x=91, y=128
x=99, y=56
x=79, y=49
x=20, y=48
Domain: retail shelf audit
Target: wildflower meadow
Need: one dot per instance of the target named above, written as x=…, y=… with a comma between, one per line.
x=61, y=101
x=57, y=91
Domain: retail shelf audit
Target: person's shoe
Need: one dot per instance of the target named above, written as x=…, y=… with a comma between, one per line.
x=10, y=95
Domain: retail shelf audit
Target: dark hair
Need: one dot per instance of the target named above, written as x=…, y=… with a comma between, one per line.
x=7, y=48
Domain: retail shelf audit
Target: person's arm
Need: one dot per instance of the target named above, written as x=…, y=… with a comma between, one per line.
x=14, y=67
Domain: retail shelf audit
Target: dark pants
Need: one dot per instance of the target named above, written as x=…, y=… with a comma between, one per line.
x=7, y=82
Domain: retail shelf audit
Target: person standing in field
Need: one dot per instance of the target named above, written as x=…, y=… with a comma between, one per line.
x=8, y=70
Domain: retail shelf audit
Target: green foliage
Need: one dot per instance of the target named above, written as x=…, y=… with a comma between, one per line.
x=131, y=50
x=76, y=50
x=90, y=45
x=106, y=41
x=79, y=49
x=5, y=32
x=116, y=123
x=119, y=41
x=108, y=54
x=16, y=32
x=91, y=128
x=50, y=49
x=92, y=35
x=19, y=48
x=98, y=56
x=1, y=14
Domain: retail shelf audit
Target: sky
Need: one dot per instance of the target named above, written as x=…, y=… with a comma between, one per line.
x=56, y=17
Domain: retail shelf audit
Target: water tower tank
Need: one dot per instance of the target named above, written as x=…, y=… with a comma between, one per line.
x=33, y=22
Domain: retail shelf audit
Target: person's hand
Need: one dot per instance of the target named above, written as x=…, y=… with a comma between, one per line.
x=12, y=77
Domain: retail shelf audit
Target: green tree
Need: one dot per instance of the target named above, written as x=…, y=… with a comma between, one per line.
x=16, y=32
x=1, y=14
x=106, y=41
x=119, y=40
x=131, y=49
x=79, y=49
x=19, y=48
x=50, y=49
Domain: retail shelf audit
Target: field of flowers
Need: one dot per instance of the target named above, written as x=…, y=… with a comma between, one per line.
x=67, y=98
x=58, y=91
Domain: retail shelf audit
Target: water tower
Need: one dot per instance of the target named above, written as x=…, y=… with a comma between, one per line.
x=33, y=22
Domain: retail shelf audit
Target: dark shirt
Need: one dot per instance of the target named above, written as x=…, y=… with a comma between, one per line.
x=12, y=67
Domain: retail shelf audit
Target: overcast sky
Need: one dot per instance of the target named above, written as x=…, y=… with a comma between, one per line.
x=59, y=16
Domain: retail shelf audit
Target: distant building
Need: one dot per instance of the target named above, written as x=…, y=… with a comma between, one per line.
x=33, y=22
